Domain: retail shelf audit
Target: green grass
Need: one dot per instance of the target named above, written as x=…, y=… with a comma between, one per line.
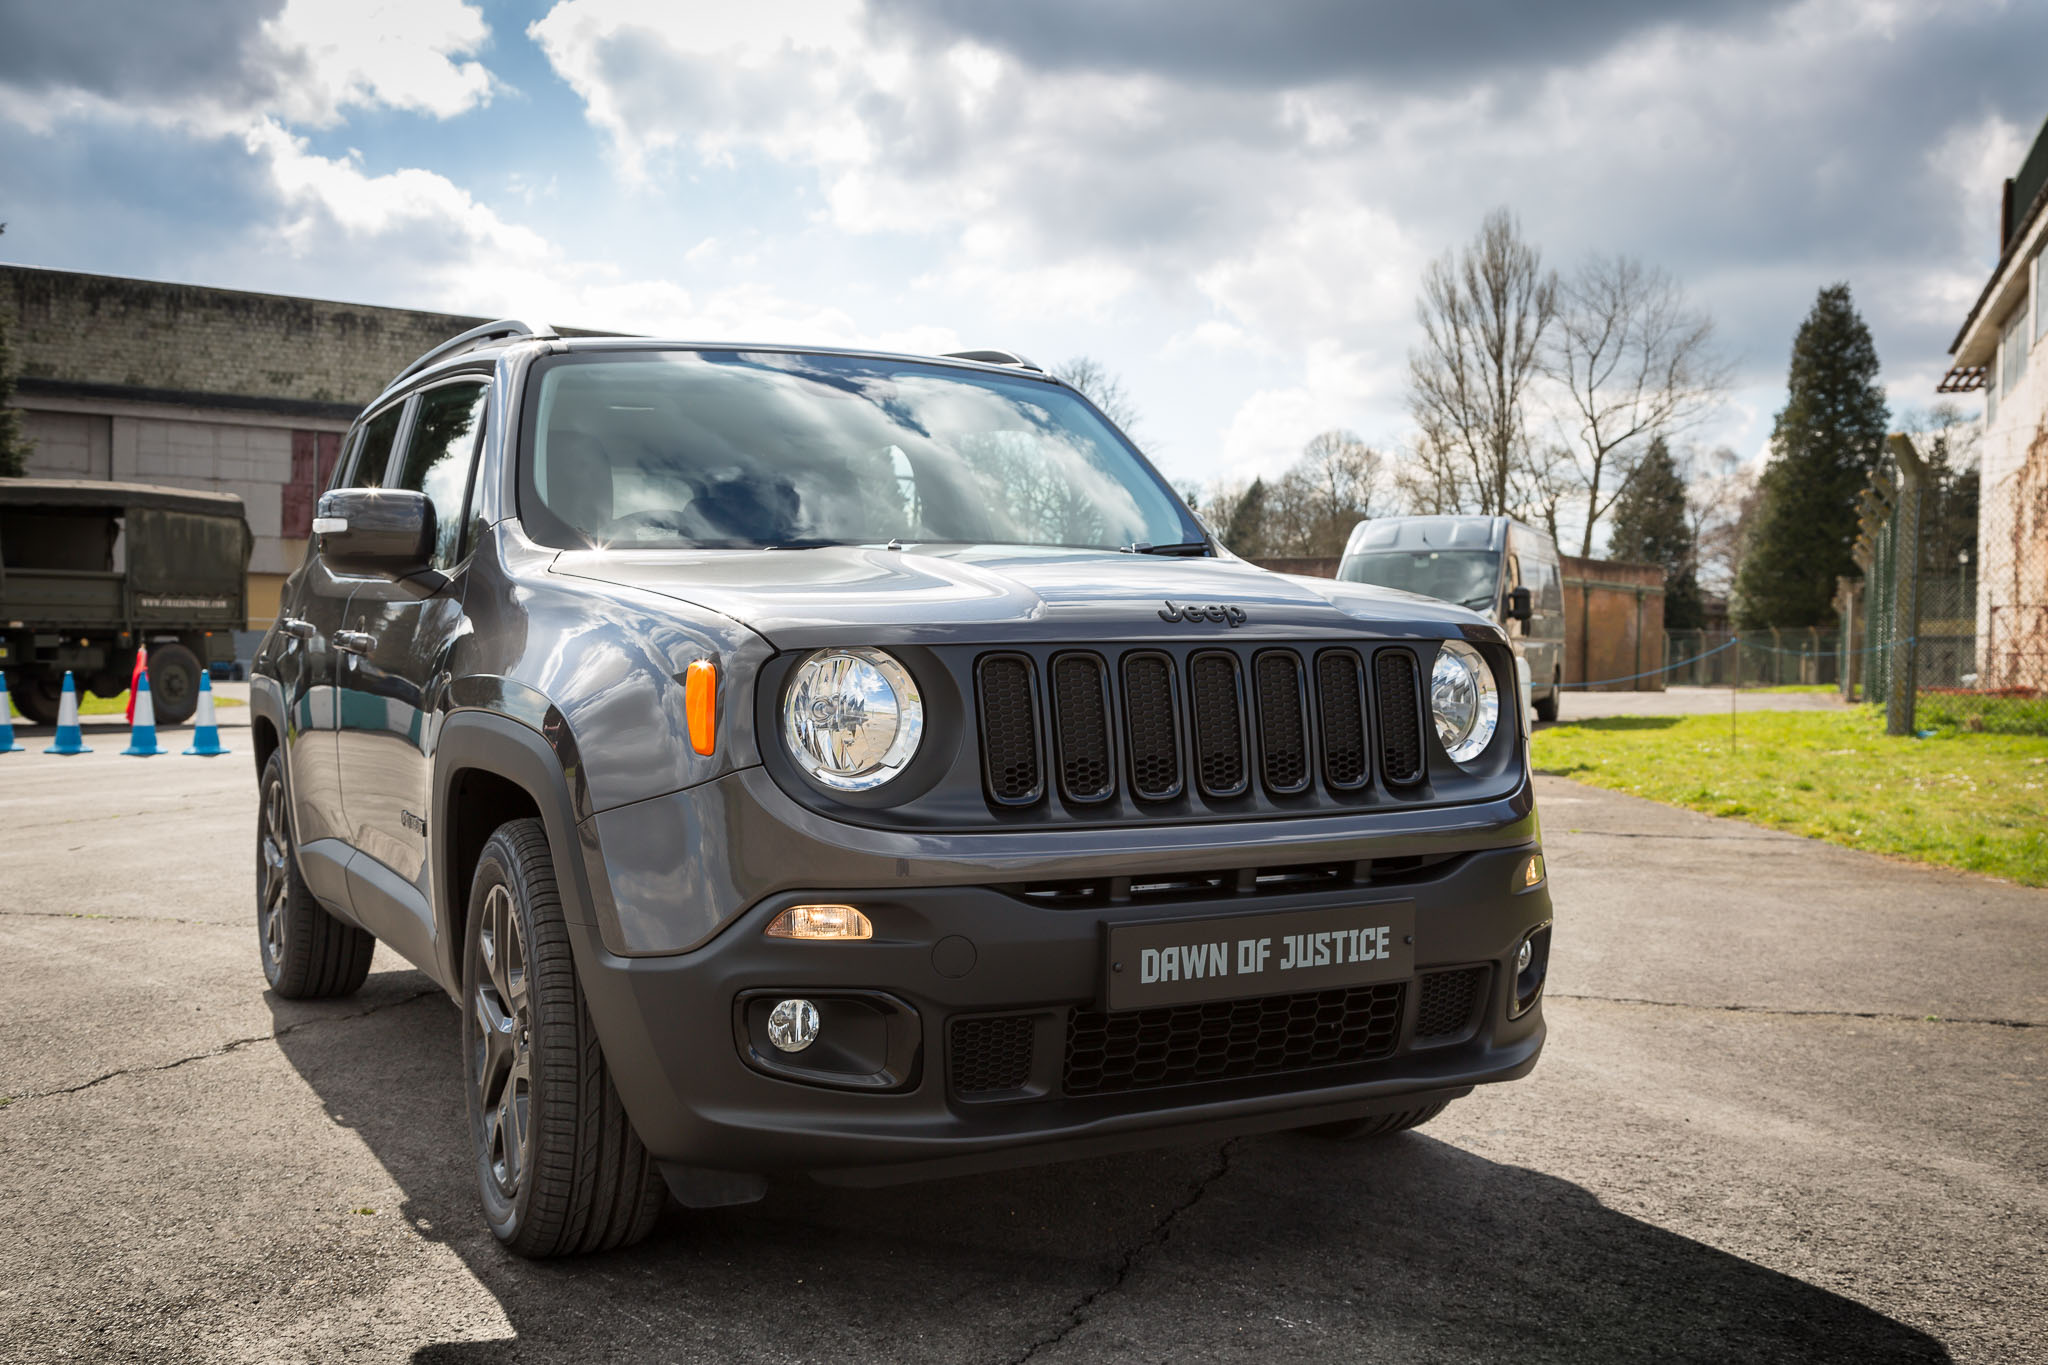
x=1976, y=712
x=1974, y=801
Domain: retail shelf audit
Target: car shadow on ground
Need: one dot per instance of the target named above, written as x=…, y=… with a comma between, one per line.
x=1280, y=1247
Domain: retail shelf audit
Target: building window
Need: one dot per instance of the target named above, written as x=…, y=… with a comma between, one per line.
x=2015, y=350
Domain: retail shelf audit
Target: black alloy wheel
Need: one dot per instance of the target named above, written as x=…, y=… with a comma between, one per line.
x=559, y=1167
x=308, y=954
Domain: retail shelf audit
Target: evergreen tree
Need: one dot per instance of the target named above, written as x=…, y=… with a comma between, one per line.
x=1651, y=527
x=1246, y=532
x=1828, y=440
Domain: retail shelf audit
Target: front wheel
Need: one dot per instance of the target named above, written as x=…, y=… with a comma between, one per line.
x=308, y=954
x=560, y=1167
x=1546, y=709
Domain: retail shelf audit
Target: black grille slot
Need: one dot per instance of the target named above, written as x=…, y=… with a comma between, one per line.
x=1219, y=724
x=1180, y=1044
x=1009, y=730
x=1283, y=725
x=1447, y=1002
x=1400, y=716
x=992, y=1055
x=1081, y=708
x=1341, y=698
x=1150, y=714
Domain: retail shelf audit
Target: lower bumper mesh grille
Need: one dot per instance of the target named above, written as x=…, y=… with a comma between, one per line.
x=1448, y=1002
x=1175, y=1045
x=992, y=1055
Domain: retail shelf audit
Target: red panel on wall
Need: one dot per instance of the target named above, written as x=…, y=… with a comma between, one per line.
x=313, y=456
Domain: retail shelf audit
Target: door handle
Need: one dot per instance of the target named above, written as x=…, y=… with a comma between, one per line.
x=297, y=629
x=354, y=641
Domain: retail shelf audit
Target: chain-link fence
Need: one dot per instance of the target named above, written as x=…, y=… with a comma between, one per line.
x=1949, y=624
x=1791, y=657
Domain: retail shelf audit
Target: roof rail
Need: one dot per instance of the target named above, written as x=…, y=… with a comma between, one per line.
x=995, y=358
x=470, y=340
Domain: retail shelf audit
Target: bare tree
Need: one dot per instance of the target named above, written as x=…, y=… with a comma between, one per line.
x=1634, y=360
x=1484, y=313
x=1338, y=482
x=1720, y=501
x=1102, y=387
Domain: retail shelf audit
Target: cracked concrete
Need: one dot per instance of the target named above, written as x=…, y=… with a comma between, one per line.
x=1746, y=1142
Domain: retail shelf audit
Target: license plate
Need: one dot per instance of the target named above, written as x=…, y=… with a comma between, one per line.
x=1188, y=961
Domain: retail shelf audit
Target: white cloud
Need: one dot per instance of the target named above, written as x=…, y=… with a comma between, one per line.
x=399, y=54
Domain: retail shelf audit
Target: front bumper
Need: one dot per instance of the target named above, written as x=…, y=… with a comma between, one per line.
x=673, y=1040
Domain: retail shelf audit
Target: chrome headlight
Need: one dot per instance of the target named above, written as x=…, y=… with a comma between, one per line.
x=1463, y=701
x=851, y=718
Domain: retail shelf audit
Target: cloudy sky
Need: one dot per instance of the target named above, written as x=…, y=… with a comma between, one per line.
x=1228, y=203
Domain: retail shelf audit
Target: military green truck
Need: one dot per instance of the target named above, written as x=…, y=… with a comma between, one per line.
x=90, y=570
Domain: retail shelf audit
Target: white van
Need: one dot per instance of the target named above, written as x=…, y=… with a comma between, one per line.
x=1497, y=566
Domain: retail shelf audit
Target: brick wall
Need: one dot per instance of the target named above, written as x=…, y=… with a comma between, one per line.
x=1614, y=623
x=144, y=334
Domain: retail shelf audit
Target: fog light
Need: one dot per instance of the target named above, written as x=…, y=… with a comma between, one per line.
x=1525, y=957
x=820, y=922
x=793, y=1025
x=1532, y=872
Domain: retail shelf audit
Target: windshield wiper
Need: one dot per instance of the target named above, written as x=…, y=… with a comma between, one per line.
x=815, y=543
x=1185, y=547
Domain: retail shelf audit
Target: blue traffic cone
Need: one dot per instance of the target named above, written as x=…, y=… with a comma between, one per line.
x=7, y=744
x=69, y=739
x=142, y=735
x=205, y=734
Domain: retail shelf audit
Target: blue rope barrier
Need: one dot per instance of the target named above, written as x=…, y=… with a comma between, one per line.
x=1743, y=644
x=1602, y=682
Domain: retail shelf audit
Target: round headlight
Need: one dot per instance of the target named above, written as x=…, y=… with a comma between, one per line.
x=1463, y=700
x=851, y=718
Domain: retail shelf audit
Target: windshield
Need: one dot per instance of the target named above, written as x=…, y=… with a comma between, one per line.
x=1466, y=577
x=725, y=449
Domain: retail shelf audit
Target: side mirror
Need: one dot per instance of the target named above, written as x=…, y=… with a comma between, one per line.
x=1519, y=606
x=379, y=530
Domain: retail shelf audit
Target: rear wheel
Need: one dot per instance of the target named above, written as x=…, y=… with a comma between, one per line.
x=1378, y=1125
x=173, y=683
x=560, y=1167
x=308, y=954
x=36, y=696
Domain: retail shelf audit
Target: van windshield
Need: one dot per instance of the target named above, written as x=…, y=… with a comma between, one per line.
x=751, y=450
x=1467, y=577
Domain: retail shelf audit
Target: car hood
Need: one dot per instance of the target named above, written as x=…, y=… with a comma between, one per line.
x=980, y=594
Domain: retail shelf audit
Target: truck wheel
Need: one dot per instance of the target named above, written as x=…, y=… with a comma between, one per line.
x=560, y=1167
x=36, y=696
x=1378, y=1125
x=308, y=954
x=1546, y=709
x=173, y=683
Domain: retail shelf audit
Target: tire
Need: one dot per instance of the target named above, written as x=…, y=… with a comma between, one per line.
x=36, y=696
x=1546, y=709
x=173, y=683
x=1378, y=1125
x=308, y=954
x=560, y=1169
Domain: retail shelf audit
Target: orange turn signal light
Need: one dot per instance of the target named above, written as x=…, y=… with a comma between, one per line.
x=700, y=704
x=817, y=922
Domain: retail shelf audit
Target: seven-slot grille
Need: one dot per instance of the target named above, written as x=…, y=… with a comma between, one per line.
x=1215, y=720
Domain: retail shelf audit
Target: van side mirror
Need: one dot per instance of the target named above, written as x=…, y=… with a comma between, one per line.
x=378, y=530
x=1520, y=608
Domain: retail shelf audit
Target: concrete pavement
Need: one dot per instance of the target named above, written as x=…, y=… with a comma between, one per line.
x=1747, y=1141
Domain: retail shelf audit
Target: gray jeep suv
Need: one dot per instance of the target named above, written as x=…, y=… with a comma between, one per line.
x=811, y=761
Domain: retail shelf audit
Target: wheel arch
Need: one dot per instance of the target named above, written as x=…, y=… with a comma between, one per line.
x=488, y=769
